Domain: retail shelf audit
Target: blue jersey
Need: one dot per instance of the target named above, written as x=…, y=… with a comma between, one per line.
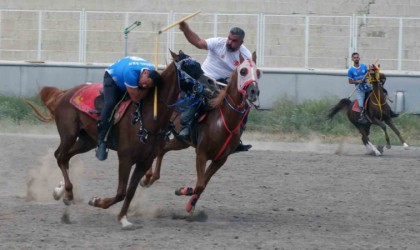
x=358, y=74
x=126, y=71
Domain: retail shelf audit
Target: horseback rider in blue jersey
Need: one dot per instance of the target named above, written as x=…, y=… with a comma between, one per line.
x=357, y=76
x=133, y=75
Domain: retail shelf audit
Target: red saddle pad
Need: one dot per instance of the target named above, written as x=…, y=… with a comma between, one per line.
x=84, y=100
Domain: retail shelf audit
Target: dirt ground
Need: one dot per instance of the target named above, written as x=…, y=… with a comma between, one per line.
x=276, y=196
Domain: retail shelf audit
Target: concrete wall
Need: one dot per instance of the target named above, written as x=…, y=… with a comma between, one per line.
x=25, y=79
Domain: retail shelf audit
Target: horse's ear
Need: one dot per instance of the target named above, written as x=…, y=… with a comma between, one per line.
x=254, y=57
x=241, y=58
x=174, y=55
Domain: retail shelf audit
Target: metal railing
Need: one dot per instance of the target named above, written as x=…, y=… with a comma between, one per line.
x=301, y=41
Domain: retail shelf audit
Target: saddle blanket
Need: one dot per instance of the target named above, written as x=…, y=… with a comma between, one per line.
x=355, y=106
x=84, y=100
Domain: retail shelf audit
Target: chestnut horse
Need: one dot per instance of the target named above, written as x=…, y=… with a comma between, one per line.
x=218, y=135
x=78, y=132
x=378, y=112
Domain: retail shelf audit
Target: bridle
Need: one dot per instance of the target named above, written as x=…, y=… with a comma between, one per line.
x=374, y=78
x=245, y=77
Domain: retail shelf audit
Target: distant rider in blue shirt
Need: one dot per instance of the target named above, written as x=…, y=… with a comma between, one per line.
x=357, y=76
x=133, y=75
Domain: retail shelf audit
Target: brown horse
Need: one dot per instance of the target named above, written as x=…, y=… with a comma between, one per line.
x=217, y=136
x=78, y=132
x=378, y=112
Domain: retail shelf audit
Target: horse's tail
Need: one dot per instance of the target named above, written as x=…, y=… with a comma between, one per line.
x=50, y=97
x=344, y=103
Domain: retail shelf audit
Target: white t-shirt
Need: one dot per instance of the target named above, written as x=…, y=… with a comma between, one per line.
x=220, y=63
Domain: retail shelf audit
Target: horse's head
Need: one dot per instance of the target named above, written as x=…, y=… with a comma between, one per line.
x=374, y=76
x=190, y=69
x=247, y=78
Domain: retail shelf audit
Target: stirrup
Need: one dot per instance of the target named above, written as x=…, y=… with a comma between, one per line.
x=362, y=119
x=184, y=134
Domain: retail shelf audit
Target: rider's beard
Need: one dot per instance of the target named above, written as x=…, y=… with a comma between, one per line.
x=230, y=49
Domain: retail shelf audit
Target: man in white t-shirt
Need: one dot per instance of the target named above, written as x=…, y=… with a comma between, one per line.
x=221, y=61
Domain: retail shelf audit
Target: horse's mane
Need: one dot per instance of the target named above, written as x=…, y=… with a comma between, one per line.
x=217, y=101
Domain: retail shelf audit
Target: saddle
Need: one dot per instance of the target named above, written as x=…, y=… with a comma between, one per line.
x=90, y=100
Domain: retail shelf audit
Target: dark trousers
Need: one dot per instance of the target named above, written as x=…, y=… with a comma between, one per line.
x=112, y=95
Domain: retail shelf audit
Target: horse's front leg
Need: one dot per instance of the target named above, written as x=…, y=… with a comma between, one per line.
x=138, y=172
x=123, y=175
x=382, y=125
x=391, y=124
x=201, y=160
x=210, y=171
x=370, y=148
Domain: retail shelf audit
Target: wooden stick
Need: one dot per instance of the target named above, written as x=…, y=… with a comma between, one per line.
x=178, y=22
x=156, y=68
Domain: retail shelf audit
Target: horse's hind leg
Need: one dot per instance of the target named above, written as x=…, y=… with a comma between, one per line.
x=82, y=145
x=124, y=169
x=151, y=176
x=397, y=132
x=63, y=158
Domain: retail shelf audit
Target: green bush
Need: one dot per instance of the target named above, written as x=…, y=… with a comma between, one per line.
x=16, y=110
x=287, y=117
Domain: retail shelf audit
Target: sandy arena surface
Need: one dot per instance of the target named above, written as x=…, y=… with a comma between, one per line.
x=276, y=196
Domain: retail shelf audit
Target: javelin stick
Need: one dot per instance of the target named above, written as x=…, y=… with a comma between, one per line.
x=156, y=68
x=178, y=22
x=156, y=54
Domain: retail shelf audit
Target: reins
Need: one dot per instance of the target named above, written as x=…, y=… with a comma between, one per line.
x=231, y=132
x=378, y=95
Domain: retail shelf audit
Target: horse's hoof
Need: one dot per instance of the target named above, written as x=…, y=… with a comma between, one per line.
x=406, y=147
x=67, y=202
x=143, y=184
x=125, y=224
x=388, y=146
x=187, y=191
x=58, y=191
x=381, y=148
x=190, y=207
x=93, y=201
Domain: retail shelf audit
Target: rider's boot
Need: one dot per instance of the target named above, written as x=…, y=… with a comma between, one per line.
x=187, y=121
x=101, y=152
x=362, y=118
x=242, y=147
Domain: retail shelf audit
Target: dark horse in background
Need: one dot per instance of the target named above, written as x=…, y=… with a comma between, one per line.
x=218, y=134
x=378, y=112
x=78, y=132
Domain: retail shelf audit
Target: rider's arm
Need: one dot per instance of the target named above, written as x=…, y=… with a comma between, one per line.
x=137, y=94
x=192, y=37
x=351, y=81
